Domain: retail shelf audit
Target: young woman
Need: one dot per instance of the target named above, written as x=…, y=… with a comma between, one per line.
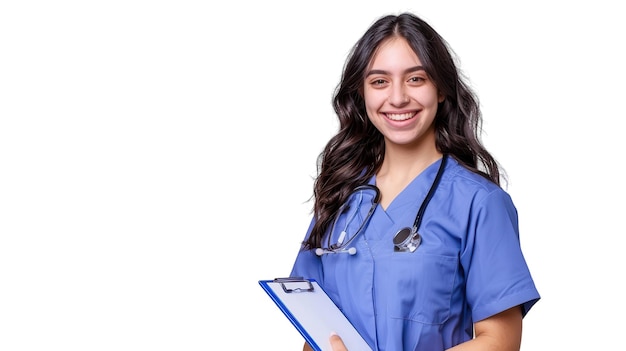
x=412, y=235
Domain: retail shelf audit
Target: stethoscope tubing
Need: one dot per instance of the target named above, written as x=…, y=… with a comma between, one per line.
x=413, y=230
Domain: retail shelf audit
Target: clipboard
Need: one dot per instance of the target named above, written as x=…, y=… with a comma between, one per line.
x=313, y=313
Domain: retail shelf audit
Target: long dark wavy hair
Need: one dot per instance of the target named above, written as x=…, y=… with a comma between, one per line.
x=353, y=155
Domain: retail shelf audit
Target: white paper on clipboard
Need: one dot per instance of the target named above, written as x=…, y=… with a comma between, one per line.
x=313, y=313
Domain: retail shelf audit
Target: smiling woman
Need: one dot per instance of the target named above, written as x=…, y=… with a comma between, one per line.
x=147, y=149
x=409, y=133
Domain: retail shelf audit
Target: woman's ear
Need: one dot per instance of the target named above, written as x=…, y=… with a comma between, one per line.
x=440, y=97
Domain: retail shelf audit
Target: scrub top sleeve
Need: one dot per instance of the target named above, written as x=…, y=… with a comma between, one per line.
x=307, y=264
x=497, y=275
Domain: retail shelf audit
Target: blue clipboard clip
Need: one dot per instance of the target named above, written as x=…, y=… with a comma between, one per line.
x=297, y=289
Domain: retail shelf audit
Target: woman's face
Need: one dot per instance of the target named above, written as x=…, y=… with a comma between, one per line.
x=400, y=99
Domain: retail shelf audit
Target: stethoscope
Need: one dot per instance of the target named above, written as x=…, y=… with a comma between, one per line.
x=406, y=239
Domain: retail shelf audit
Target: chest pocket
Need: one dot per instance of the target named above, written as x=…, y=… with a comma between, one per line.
x=424, y=284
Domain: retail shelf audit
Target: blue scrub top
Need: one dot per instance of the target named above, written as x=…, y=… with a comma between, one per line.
x=468, y=267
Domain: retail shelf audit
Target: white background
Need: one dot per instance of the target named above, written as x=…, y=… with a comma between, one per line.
x=156, y=158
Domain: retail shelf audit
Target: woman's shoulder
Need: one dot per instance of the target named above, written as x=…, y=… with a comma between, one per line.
x=461, y=177
x=466, y=188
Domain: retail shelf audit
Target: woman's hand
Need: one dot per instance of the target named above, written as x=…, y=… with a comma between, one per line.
x=336, y=343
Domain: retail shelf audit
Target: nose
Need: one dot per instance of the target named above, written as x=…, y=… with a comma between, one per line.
x=398, y=96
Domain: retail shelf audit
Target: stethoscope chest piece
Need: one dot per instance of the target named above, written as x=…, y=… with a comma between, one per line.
x=406, y=240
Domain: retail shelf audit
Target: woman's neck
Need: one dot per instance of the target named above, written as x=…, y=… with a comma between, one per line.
x=402, y=162
x=400, y=166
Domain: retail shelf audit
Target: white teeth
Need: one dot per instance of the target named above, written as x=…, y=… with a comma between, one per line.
x=399, y=117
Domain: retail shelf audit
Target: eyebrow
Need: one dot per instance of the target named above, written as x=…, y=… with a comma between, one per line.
x=408, y=70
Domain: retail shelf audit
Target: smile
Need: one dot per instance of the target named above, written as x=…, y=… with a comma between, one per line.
x=400, y=116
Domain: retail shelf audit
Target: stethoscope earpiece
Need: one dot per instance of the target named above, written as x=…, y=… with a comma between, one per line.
x=351, y=251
